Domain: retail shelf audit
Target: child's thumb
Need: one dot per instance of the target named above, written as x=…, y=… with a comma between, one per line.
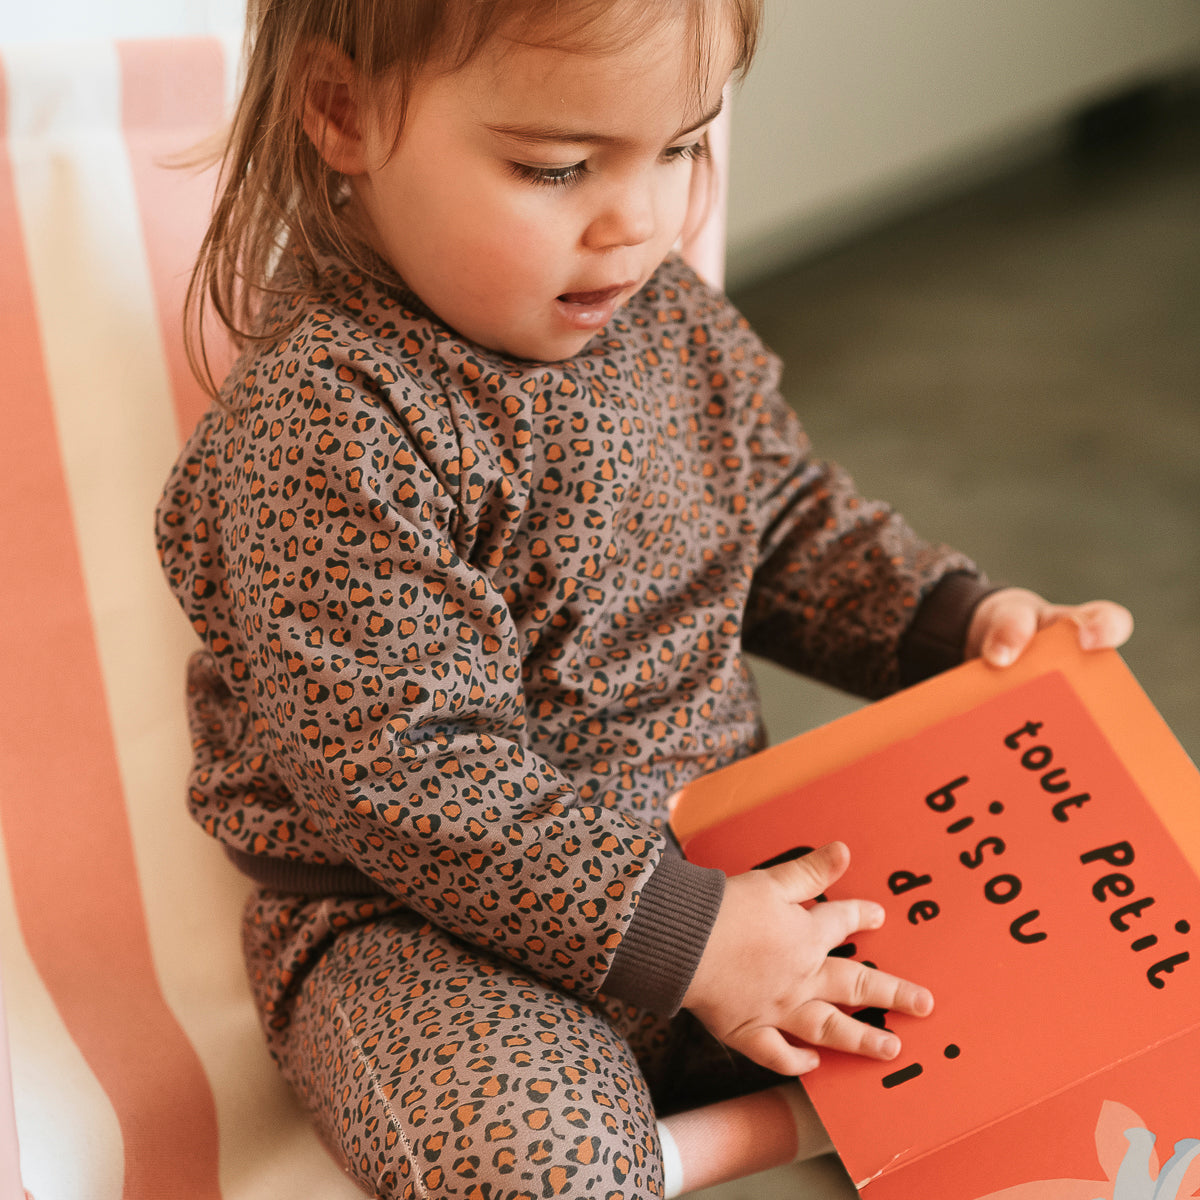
x=1012, y=628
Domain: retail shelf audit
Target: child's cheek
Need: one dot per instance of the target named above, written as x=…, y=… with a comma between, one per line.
x=694, y=199
x=530, y=233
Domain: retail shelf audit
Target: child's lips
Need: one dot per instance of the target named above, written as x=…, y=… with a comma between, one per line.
x=591, y=309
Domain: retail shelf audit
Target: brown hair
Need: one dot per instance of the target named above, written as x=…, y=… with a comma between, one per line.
x=276, y=190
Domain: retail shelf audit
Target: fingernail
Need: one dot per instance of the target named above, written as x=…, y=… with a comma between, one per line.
x=888, y=1046
x=1002, y=656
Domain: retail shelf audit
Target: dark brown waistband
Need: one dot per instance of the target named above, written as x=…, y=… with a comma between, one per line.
x=304, y=878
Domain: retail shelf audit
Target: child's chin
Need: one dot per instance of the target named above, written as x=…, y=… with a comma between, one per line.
x=548, y=349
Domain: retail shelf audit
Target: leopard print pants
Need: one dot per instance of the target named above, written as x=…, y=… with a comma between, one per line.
x=436, y=1070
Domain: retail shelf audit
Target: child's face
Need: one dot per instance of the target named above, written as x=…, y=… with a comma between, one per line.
x=535, y=190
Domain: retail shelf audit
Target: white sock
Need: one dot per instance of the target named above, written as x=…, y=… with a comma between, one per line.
x=672, y=1164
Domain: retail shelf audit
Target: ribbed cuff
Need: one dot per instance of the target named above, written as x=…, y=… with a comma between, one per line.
x=937, y=638
x=658, y=956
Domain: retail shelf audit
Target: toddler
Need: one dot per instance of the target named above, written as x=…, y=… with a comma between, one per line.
x=488, y=510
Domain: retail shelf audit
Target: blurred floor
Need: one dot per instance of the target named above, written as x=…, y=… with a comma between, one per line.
x=1018, y=371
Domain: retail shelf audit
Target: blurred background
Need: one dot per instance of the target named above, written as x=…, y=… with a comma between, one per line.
x=972, y=230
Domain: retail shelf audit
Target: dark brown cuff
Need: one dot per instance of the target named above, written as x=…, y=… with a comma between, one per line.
x=937, y=638
x=662, y=946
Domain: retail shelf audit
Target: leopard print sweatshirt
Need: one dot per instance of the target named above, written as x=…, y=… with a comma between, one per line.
x=468, y=622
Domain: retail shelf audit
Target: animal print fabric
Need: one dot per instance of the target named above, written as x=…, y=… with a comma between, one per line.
x=437, y=1070
x=468, y=622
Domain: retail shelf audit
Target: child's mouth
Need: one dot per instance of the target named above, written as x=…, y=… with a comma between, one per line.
x=590, y=310
x=589, y=299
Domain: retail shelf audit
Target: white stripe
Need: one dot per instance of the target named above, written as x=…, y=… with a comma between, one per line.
x=55, y=1091
x=108, y=378
x=10, y=1173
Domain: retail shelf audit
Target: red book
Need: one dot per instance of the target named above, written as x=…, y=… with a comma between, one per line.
x=1034, y=834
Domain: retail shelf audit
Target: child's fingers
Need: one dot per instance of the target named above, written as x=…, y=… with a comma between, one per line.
x=1006, y=621
x=768, y=1047
x=822, y=1024
x=805, y=878
x=1102, y=624
x=838, y=920
x=854, y=985
x=1010, y=620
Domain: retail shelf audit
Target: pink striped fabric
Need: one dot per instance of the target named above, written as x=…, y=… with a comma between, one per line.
x=137, y=1067
x=138, y=1070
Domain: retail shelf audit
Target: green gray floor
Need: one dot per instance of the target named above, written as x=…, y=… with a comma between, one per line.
x=1018, y=371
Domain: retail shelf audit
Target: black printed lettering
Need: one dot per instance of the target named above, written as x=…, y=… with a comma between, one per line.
x=1036, y=757
x=1052, y=783
x=974, y=858
x=1060, y=810
x=1115, y=884
x=1119, y=854
x=904, y=881
x=1133, y=909
x=1030, y=729
x=1027, y=937
x=1002, y=889
x=943, y=800
x=1166, y=967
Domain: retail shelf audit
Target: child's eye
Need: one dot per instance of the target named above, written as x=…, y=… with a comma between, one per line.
x=692, y=150
x=549, y=176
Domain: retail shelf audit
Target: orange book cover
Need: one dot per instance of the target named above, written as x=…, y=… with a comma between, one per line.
x=1034, y=834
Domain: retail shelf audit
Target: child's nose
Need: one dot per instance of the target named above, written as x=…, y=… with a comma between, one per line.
x=627, y=218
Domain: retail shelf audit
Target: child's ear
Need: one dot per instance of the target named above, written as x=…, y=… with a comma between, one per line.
x=331, y=107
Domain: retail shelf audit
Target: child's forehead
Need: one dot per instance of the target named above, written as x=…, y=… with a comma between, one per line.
x=602, y=26
x=636, y=81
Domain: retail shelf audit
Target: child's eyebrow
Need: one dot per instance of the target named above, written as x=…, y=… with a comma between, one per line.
x=559, y=134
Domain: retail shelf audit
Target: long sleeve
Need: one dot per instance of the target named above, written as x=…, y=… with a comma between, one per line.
x=844, y=580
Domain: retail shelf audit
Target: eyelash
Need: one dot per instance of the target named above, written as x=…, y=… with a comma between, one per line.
x=564, y=176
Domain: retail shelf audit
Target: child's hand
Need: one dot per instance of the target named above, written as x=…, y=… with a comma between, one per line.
x=765, y=983
x=1005, y=621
